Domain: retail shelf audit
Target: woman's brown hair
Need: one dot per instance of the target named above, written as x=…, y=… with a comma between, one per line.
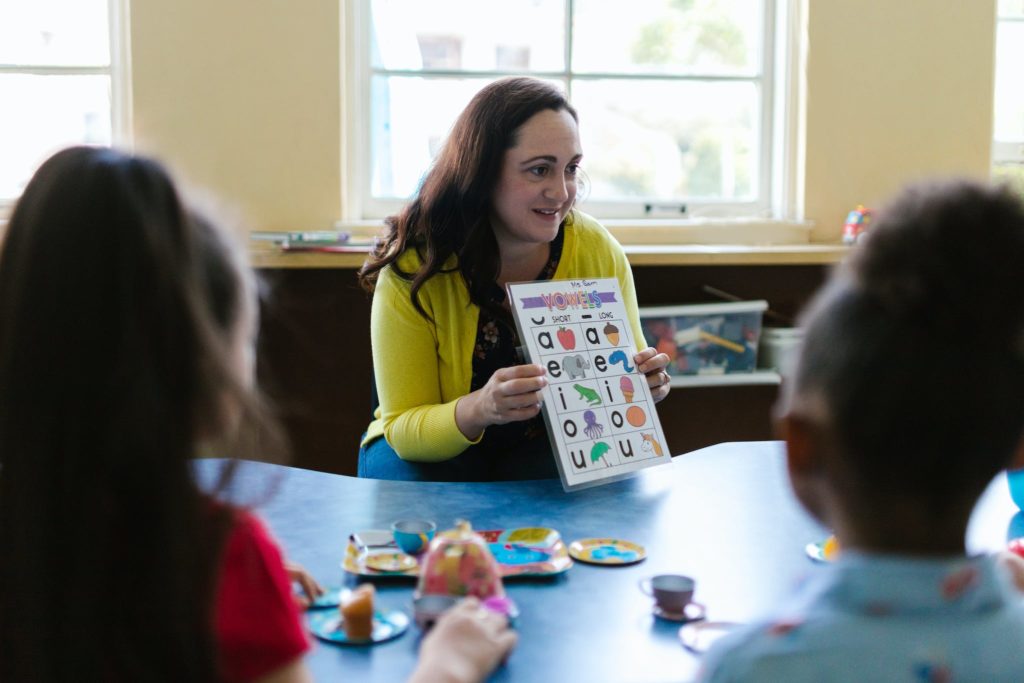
x=451, y=212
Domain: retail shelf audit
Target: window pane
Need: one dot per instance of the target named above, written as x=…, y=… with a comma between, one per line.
x=1012, y=175
x=1009, y=105
x=411, y=117
x=54, y=32
x=51, y=112
x=669, y=36
x=1011, y=8
x=669, y=140
x=469, y=35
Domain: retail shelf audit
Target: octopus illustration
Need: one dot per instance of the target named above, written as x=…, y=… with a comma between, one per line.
x=593, y=430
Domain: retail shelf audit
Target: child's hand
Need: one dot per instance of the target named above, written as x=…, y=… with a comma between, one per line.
x=653, y=365
x=311, y=590
x=465, y=645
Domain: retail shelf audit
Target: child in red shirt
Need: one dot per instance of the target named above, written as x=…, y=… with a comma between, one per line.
x=126, y=327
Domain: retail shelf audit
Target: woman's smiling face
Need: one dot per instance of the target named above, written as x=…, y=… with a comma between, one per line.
x=537, y=185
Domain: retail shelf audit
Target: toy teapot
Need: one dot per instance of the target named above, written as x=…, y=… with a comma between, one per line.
x=460, y=563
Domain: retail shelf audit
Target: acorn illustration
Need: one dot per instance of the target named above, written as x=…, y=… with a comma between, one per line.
x=612, y=333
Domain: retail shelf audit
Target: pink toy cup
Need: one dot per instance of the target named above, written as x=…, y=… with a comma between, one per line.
x=673, y=596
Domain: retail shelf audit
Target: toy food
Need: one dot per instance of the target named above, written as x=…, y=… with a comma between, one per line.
x=626, y=384
x=357, y=613
x=612, y=333
x=459, y=562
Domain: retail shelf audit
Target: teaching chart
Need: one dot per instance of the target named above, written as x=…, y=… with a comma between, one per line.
x=599, y=412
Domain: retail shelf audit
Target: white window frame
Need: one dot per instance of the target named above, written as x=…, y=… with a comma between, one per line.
x=781, y=125
x=1007, y=152
x=119, y=72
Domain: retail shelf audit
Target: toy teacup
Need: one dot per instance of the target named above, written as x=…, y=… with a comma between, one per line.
x=413, y=535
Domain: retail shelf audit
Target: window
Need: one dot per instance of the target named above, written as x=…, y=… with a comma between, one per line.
x=677, y=98
x=58, y=82
x=1008, y=145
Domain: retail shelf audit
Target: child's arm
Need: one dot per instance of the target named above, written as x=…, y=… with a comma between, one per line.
x=296, y=672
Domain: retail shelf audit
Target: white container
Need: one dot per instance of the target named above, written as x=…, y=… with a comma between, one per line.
x=778, y=349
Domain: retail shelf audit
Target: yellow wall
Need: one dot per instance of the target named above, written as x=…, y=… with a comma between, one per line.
x=244, y=97
x=897, y=90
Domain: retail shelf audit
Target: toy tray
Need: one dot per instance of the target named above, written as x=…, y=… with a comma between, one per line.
x=530, y=551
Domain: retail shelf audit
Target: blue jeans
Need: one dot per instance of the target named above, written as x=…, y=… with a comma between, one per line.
x=528, y=460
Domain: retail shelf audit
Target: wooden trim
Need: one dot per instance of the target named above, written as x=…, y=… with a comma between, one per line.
x=268, y=255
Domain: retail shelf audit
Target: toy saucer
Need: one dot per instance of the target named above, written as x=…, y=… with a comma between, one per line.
x=330, y=598
x=390, y=562
x=681, y=617
x=387, y=625
x=607, y=551
x=699, y=636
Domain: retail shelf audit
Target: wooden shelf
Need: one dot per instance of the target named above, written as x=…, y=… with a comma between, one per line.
x=766, y=377
x=264, y=254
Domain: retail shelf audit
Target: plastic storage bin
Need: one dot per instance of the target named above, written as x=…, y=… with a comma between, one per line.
x=706, y=339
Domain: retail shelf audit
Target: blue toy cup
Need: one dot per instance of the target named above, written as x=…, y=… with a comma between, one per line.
x=1015, y=478
x=412, y=536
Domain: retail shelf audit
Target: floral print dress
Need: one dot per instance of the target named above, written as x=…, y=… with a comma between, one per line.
x=497, y=346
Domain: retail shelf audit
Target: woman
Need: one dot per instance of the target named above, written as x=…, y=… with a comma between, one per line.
x=456, y=402
x=126, y=327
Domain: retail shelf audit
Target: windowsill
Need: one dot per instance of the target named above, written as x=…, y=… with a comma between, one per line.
x=655, y=243
x=646, y=243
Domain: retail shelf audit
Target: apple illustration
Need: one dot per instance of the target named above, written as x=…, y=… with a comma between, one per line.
x=567, y=338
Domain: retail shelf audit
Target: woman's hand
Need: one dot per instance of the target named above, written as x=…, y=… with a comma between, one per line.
x=465, y=645
x=311, y=590
x=510, y=395
x=653, y=365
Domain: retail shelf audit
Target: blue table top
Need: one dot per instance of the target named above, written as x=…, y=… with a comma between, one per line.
x=724, y=515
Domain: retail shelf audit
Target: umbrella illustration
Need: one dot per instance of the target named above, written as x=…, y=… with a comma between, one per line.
x=598, y=451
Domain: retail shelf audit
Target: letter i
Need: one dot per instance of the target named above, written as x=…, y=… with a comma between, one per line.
x=608, y=389
x=561, y=398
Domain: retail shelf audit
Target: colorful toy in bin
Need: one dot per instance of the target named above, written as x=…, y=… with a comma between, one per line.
x=857, y=222
x=459, y=562
x=706, y=339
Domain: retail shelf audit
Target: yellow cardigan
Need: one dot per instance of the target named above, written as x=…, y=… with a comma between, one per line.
x=423, y=368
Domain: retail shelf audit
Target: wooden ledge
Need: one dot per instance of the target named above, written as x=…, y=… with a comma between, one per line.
x=268, y=255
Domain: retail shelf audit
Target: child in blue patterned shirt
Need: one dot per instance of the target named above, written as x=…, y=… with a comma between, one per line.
x=907, y=399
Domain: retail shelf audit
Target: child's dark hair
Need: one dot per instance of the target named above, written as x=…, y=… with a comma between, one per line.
x=917, y=348
x=116, y=305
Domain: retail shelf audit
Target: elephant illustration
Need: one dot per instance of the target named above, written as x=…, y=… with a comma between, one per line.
x=575, y=365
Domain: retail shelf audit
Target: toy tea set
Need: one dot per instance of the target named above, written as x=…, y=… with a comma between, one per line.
x=460, y=562
x=454, y=564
